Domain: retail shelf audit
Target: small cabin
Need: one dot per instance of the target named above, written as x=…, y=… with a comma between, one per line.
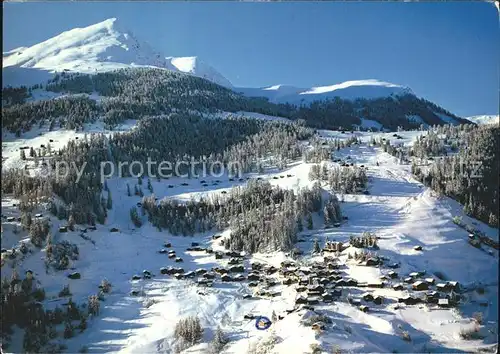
x=204, y=282
x=340, y=282
x=443, y=287
x=443, y=303
x=256, y=266
x=239, y=277
x=74, y=275
x=337, y=292
x=318, y=288
x=408, y=300
x=367, y=297
x=237, y=269
x=318, y=327
x=209, y=276
x=313, y=300
x=420, y=285
x=164, y=270
x=254, y=276
x=453, y=285
x=351, y=282
x=375, y=285
x=355, y=302
x=327, y=297
x=271, y=270
x=303, y=281
x=372, y=262
x=430, y=281
x=324, y=281
x=398, y=286
x=301, y=300
x=432, y=297
x=364, y=308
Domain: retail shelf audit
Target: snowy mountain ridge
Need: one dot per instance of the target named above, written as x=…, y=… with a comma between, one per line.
x=368, y=89
x=196, y=67
x=107, y=45
x=101, y=47
x=485, y=119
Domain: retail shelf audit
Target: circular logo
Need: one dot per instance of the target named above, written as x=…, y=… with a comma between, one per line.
x=262, y=323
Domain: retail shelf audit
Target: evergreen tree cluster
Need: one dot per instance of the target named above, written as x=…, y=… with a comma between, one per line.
x=14, y=95
x=71, y=112
x=331, y=211
x=20, y=303
x=345, y=180
x=188, y=331
x=261, y=217
x=322, y=149
x=245, y=141
x=391, y=112
x=140, y=92
x=471, y=175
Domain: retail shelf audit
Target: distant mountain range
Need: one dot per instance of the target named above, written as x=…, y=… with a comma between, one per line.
x=107, y=46
x=484, y=119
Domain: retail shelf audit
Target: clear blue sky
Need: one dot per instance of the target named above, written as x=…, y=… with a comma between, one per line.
x=447, y=52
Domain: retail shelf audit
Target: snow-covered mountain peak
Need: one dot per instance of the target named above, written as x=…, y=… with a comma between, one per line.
x=195, y=66
x=103, y=46
x=484, y=119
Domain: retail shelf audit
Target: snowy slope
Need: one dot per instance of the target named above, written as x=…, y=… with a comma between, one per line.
x=346, y=90
x=399, y=210
x=196, y=67
x=274, y=93
x=486, y=119
x=446, y=118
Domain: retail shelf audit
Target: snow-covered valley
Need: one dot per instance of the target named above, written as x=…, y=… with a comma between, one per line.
x=363, y=218
x=399, y=210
